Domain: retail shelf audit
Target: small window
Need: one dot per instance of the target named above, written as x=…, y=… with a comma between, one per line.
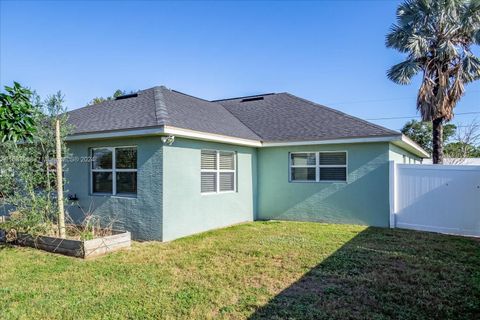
x=318, y=166
x=218, y=171
x=114, y=171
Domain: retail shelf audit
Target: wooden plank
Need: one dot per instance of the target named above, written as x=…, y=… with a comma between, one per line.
x=106, y=241
x=68, y=252
x=50, y=241
x=77, y=248
x=104, y=250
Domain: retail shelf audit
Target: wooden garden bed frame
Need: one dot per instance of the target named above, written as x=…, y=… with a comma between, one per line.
x=120, y=240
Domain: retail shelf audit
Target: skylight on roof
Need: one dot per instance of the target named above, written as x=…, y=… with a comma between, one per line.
x=126, y=96
x=251, y=99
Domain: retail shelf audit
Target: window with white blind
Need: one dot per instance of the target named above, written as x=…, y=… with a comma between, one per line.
x=318, y=166
x=114, y=171
x=218, y=171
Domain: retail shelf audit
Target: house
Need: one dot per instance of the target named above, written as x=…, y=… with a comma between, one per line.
x=163, y=164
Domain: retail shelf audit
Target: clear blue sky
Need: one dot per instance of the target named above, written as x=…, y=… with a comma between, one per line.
x=329, y=52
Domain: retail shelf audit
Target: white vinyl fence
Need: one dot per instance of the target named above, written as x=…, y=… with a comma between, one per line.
x=439, y=198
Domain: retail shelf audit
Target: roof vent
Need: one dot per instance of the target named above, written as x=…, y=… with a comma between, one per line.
x=126, y=96
x=251, y=99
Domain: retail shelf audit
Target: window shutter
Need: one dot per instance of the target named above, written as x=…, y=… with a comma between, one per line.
x=227, y=161
x=209, y=182
x=333, y=174
x=209, y=160
x=333, y=158
x=227, y=181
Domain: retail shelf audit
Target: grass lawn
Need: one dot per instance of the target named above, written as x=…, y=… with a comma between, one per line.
x=260, y=270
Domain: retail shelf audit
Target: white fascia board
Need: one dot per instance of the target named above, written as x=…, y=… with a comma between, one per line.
x=409, y=145
x=192, y=134
x=332, y=141
x=166, y=130
x=401, y=141
x=115, y=134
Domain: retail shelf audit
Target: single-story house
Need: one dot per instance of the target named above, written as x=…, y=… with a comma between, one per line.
x=163, y=164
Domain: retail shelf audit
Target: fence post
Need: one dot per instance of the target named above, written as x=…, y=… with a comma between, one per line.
x=392, y=191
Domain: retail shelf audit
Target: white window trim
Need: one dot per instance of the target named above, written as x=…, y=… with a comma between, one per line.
x=218, y=171
x=317, y=167
x=114, y=171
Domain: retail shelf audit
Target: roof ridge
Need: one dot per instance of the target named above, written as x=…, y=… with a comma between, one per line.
x=342, y=113
x=161, y=112
x=246, y=125
x=188, y=95
x=243, y=97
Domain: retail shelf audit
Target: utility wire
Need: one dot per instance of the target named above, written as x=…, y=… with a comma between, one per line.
x=457, y=126
x=381, y=100
x=417, y=116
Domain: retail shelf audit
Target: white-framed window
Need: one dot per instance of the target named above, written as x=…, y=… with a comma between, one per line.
x=318, y=166
x=218, y=171
x=114, y=171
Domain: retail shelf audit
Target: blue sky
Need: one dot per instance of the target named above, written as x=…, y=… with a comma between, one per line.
x=329, y=52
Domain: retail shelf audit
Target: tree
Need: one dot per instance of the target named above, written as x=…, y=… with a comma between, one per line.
x=116, y=94
x=27, y=172
x=437, y=36
x=466, y=143
x=17, y=115
x=461, y=141
x=422, y=133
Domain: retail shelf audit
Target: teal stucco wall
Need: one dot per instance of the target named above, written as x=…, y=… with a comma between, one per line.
x=186, y=211
x=169, y=203
x=363, y=199
x=141, y=215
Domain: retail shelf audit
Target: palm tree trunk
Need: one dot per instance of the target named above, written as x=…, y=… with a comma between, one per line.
x=437, y=143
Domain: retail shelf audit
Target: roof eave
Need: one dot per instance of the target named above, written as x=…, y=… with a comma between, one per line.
x=408, y=144
x=399, y=140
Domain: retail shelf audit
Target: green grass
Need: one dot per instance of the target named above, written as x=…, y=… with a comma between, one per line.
x=274, y=270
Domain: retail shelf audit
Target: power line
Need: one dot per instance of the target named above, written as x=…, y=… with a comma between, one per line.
x=381, y=100
x=410, y=117
x=457, y=126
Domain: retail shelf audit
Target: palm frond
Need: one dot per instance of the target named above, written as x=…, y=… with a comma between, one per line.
x=413, y=11
x=447, y=50
x=476, y=37
x=454, y=94
x=403, y=72
x=471, y=68
x=397, y=38
x=417, y=45
x=425, y=100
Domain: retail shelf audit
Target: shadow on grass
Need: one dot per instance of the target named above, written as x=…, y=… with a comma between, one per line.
x=384, y=273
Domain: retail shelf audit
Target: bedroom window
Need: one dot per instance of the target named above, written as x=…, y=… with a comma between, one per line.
x=114, y=171
x=318, y=166
x=218, y=171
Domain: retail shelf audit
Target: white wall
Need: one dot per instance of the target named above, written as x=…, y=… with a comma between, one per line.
x=457, y=161
x=439, y=198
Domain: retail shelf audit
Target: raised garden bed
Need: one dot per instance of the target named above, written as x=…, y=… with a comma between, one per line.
x=119, y=240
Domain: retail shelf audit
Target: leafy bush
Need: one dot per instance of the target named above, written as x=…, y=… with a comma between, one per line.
x=27, y=175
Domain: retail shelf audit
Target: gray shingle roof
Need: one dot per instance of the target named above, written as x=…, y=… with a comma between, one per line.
x=270, y=117
x=112, y=115
x=285, y=117
x=155, y=107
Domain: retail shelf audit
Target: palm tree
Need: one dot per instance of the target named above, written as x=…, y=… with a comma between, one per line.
x=437, y=36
